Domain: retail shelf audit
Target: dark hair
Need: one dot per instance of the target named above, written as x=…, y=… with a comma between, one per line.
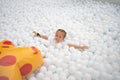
x=61, y=30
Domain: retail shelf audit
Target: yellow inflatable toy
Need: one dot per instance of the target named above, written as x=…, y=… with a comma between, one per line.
x=17, y=62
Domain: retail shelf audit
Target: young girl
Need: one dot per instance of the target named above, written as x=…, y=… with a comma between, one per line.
x=60, y=39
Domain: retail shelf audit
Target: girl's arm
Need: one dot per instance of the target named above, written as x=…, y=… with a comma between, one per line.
x=39, y=35
x=77, y=46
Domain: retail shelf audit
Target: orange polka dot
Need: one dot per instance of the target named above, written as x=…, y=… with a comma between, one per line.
x=34, y=49
x=8, y=43
x=7, y=60
x=5, y=46
x=25, y=69
x=4, y=78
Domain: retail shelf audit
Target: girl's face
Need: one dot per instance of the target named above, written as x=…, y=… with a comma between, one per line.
x=59, y=36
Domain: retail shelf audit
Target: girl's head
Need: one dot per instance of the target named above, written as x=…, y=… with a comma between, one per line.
x=60, y=35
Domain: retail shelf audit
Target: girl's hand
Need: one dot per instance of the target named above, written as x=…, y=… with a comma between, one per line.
x=85, y=47
x=35, y=33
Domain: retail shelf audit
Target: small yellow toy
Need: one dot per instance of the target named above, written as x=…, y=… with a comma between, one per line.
x=17, y=62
